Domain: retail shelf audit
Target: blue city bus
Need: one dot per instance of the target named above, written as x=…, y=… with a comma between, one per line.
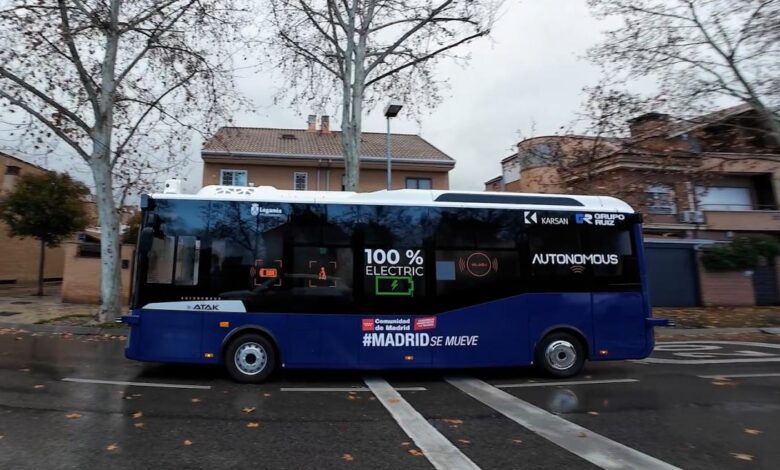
x=259, y=279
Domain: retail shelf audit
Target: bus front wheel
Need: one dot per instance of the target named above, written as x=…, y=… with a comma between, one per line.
x=250, y=358
x=560, y=355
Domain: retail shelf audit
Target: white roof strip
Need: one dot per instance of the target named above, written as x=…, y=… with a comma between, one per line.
x=400, y=197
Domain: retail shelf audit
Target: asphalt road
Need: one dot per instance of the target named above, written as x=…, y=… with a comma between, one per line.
x=695, y=405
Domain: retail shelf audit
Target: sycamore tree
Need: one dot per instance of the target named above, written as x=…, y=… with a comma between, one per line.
x=48, y=207
x=363, y=51
x=118, y=80
x=702, y=52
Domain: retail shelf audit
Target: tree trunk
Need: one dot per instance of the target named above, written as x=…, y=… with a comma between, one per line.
x=41, y=264
x=110, y=279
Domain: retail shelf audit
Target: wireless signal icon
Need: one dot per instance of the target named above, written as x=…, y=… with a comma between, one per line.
x=577, y=269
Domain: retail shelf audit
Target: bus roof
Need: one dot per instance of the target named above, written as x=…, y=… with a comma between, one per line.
x=410, y=197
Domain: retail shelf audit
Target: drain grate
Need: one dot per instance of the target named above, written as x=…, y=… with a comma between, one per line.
x=8, y=314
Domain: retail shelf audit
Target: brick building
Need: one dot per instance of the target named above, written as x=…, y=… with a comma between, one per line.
x=697, y=181
x=16, y=263
x=311, y=159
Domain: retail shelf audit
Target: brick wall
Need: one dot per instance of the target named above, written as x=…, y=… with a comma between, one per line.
x=730, y=289
x=81, y=276
x=19, y=259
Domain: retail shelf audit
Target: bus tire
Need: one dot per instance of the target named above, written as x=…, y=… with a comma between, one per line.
x=250, y=358
x=560, y=355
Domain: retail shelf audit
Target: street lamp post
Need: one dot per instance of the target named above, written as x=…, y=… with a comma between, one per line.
x=391, y=111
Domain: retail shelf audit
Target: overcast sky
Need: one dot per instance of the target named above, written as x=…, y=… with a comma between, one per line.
x=530, y=71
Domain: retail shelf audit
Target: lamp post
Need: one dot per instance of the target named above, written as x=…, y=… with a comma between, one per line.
x=391, y=111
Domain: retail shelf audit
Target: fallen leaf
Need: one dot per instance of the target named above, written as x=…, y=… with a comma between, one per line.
x=253, y=424
x=352, y=393
x=73, y=416
x=139, y=425
x=753, y=432
x=517, y=441
x=248, y=409
x=406, y=443
x=18, y=338
x=195, y=400
x=1, y=436
x=464, y=441
x=348, y=457
x=266, y=394
x=187, y=442
x=394, y=400
x=582, y=434
x=454, y=423
x=594, y=413
x=351, y=397
x=24, y=370
x=138, y=414
x=112, y=446
x=723, y=382
x=739, y=456
x=39, y=386
x=415, y=453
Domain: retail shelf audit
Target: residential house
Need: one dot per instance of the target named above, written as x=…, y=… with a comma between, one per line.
x=311, y=159
x=19, y=256
x=701, y=180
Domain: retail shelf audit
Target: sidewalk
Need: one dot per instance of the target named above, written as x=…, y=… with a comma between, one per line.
x=19, y=304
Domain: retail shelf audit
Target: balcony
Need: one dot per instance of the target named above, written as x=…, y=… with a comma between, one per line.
x=743, y=220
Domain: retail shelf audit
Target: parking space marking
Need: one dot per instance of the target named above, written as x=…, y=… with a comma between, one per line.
x=562, y=382
x=346, y=389
x=135, y=384
x=739, y=376
x=580, y=441
x=437, y=449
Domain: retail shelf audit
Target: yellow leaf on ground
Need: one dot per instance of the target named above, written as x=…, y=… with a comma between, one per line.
x=137, y=414
x=139, y=425
x=517, y=441
x=351, y=397
x=113, y=446
x=393, y=400
x=248, y=409
x=406, y=443
x=415, y=453
x=348, y=457
x=195, y=400
x=454, y=423
x=253, y=424
x=594, y=413
x=187, y=442
x=753, y=432
x=73, y=416
x=582, y=434
x=464, y=441
x=739, y=456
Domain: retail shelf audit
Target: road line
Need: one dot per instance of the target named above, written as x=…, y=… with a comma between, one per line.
x=346, y=389
x=739, y=376
x=437, y=449
x=571, y=382
x=657, y=360
x=580, y=441
x=135, y=384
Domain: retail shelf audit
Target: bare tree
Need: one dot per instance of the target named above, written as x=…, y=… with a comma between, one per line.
x=114, y=79
x=701, y=50
x=364, y=50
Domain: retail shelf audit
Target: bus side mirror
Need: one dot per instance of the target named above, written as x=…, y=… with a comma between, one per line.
x=145, y=240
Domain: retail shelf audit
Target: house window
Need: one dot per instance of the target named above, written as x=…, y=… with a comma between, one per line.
x=720, y=198
x=12, y=170
x=301, y=181
x=232, y=177
x=659, y=199
x=418, y=183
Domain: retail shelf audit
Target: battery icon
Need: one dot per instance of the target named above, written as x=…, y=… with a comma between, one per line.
x=394, y=285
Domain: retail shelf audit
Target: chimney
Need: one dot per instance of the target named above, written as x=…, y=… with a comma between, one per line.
x=312, y=123
x=648, y=123
x=325, y=124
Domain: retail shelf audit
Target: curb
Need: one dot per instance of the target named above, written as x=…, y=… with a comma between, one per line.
x=677, y=331
x=72, y=329
x=771, y=331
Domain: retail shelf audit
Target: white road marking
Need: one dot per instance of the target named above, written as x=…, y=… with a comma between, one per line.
x=135, y=384
x=580, y=441
x=437, y=449
x=346, y=389
x=656, y=360
x=739, y=376
x=570, y=382
x=681, y=346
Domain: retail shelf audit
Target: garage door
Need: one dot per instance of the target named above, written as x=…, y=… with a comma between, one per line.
x=671, y=270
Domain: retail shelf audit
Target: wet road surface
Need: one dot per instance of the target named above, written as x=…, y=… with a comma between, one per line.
x=697, y=404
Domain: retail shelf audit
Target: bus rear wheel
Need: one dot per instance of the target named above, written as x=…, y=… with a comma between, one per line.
x=250, y=358
x=560, y=355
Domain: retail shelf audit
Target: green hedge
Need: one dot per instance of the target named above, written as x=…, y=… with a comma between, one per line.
x=740, y=254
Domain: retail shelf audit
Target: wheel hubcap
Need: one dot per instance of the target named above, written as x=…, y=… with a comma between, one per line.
x=561, y=355
x=250, y=358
